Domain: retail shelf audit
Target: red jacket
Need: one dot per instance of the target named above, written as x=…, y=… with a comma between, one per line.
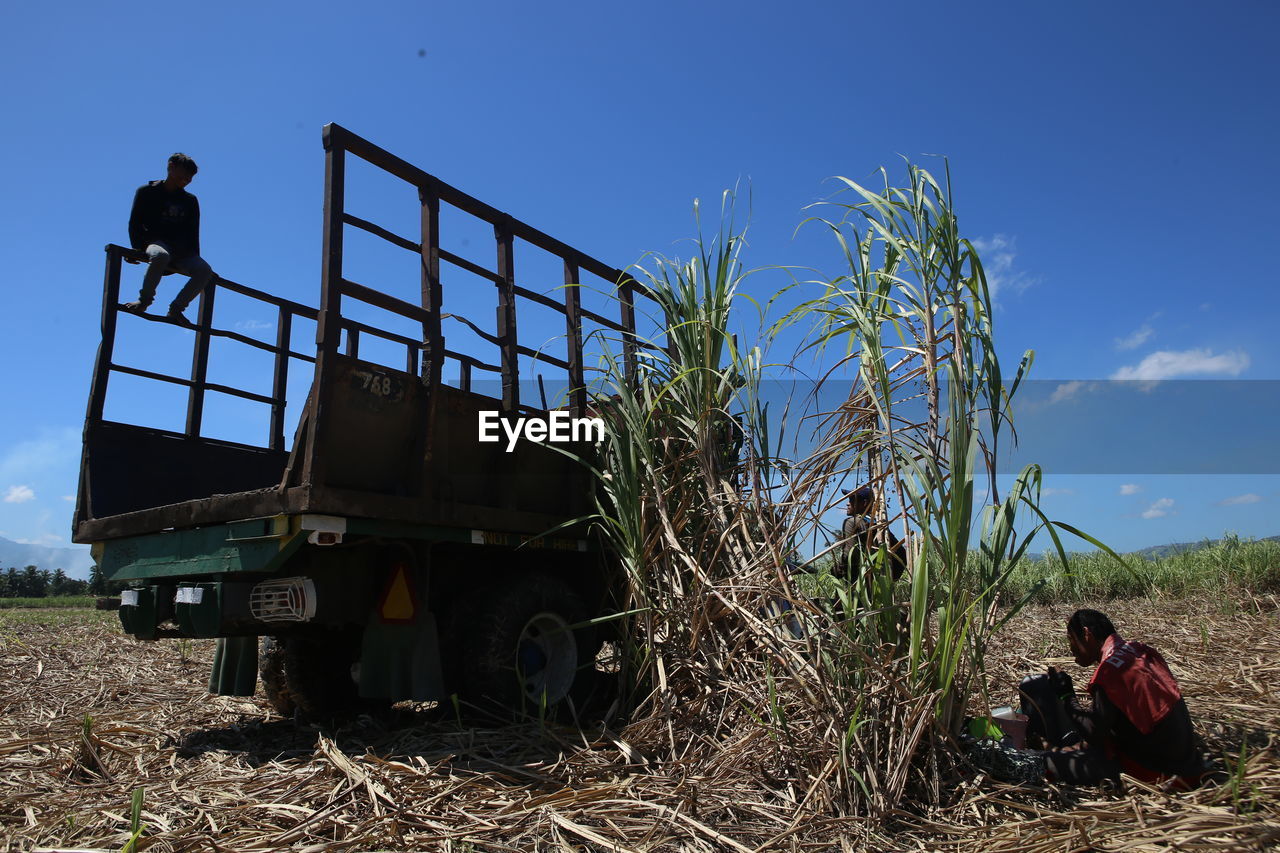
x=1137, y=681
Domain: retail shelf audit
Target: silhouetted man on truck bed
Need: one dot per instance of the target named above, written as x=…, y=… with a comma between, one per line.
x=165, y=223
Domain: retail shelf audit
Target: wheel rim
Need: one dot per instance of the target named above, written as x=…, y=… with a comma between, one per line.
x=546, y=658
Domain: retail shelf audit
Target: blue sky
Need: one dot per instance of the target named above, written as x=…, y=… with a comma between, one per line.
x=1110, y=158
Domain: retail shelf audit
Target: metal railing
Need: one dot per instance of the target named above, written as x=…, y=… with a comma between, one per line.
x=197, y=382
x=432, y=192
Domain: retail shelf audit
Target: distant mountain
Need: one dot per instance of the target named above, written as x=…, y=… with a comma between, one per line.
x=1157, y=552
x=76, y=562
x=1154, y=552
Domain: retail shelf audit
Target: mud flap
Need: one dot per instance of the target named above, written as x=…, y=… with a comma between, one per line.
x=402, y=661
x=235, y=667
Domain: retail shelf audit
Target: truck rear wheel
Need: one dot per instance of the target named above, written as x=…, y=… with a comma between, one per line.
x=525, y=644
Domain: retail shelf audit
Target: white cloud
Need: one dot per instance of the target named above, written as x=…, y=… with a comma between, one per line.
x=37, y=471
x=253, y=326
x=1066, y=391
x=1167, y=364
x=998, y=255
x=47, y=540
x=1240, y=499
x=19, y=495
x=996, y=243
x=1136, y=338
x=53, y=451
x=1159, y=509
x=1130, y=488
x=1048, y=492
x=69, y=498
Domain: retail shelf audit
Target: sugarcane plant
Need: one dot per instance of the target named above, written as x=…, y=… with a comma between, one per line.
x=914, y=316
x=675, y=476
x=848, y=689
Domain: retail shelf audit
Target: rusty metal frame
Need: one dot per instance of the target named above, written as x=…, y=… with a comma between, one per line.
x=338, y=142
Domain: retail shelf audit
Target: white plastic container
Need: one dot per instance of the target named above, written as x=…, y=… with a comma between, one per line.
x=1013, y=724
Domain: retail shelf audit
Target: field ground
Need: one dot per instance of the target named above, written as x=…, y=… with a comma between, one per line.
x=47, y=603
x=226, y=774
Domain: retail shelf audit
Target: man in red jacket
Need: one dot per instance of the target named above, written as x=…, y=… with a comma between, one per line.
x=1139, y=723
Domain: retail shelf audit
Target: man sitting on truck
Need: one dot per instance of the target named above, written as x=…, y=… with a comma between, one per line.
x=165, y=223
x=1139, y=723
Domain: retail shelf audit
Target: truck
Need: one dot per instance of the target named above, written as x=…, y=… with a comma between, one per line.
x=385, y=553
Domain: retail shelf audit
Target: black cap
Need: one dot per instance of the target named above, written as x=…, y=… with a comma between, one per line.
x=864, y=493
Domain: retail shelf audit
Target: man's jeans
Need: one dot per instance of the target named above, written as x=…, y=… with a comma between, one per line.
x=194, y=266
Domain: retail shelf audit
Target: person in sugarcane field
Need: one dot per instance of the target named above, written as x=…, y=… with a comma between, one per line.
x=165, y=223
x=1139, y=723
x=862, y=537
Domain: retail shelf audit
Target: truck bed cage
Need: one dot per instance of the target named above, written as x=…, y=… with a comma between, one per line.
x=140, y=479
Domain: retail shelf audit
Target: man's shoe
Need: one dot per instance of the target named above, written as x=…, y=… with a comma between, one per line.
x=136, y=307
x=175, y=315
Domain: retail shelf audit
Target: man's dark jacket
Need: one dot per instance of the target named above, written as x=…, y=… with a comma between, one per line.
x=862, y=538
x=161, y=216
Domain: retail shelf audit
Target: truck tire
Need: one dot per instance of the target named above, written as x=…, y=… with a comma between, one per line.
x=274, y=685
x=524, y=646
x=317, y=673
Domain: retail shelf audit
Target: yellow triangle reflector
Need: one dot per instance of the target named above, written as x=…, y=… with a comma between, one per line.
x=397, y=601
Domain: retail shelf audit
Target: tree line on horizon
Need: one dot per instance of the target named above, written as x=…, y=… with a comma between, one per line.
x=33, y=582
